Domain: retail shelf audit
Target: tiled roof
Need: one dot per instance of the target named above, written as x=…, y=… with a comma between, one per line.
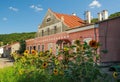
x=70, y=20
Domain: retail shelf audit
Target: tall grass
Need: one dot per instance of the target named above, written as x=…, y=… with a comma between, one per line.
x=7, y=74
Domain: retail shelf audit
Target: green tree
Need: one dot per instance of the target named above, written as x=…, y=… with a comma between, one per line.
x=22, y=46
x=15, y=37
x=1, y=43
x=94, y=20
x=114, y=15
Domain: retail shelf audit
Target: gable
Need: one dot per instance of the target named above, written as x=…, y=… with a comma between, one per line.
x=49, y=19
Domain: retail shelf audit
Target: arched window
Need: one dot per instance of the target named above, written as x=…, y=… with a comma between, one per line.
x=87, y=40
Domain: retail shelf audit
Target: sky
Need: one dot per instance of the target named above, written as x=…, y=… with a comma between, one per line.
x=18, y=16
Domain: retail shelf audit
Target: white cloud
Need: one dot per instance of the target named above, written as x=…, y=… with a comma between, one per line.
x=5, y=19
x=94, y=4
x=36, y=8
x=32, y=6
x=13, y=9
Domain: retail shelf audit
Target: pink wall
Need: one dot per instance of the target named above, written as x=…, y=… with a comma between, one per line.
x=110, y=39
x=48, y=39
x=91, y=33
x=55, y=37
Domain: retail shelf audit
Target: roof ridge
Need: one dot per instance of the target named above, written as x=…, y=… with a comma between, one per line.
x=65, y=14
x=70, y=20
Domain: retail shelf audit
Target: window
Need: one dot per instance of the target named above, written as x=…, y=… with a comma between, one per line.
x=73, y=43
x=55, y=29
x=48, y=31
x=42, y=32
x=34, y=47
x=38, y=48
x=50, y=45
x=42, y=47
x=30, y=48
x=27, y=48
x=48, y=19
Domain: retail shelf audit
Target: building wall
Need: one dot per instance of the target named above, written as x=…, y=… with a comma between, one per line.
x=110, y=40
x=46, y=41
x=52, y=20
x=82, y=35
x=1, y=50
x=51, y=40
x=15, y=47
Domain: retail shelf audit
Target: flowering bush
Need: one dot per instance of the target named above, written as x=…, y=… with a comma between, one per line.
x=75, y=63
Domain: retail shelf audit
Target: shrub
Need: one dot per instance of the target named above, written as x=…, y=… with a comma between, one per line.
x=75, y=63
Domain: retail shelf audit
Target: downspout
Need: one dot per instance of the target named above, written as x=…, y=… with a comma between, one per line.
x=106, y=32
x=95, y=35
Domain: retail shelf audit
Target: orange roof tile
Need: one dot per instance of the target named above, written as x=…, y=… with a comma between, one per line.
x=70, y=20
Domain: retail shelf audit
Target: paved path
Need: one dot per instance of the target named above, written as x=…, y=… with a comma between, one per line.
x=4, y=62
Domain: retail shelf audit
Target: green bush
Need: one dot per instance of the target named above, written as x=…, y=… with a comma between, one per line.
x=75, y=63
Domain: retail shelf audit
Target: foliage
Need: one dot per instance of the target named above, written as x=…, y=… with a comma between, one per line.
x=114, y=15
x=94, y=20
x=1, y=43
x=6, y=75
x=15, y=37
x=22, y=46
x=117, y=14
x=68, y=66
x=76, y=63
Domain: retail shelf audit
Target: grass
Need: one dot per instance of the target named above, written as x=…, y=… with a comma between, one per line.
x=7, y=74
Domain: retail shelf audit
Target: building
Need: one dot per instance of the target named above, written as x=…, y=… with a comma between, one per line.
x=58, y=30
x=52, y=31
x=1, y=51
x=10, y=49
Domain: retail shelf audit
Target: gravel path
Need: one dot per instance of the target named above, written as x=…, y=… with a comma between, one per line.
x=4, y=62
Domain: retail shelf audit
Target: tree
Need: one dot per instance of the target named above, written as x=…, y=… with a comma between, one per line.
x=22, y=46
x=15, y=37
x=114, y=15
x=94, y=20
x=1, y=43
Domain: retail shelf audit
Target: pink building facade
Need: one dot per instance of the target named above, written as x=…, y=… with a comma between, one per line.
x=58, y=30
x=84, y=33
x=109, y=37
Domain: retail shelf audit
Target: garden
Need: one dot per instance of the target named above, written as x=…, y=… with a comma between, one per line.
x=75, y=63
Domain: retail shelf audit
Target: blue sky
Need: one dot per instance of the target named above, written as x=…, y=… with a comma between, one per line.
x=17, y=16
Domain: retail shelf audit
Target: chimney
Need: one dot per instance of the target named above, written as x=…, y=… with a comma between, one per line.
x=62, y=18
x=100, y=16
x=74, y=14
x=88, y=16
x=105, y=14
